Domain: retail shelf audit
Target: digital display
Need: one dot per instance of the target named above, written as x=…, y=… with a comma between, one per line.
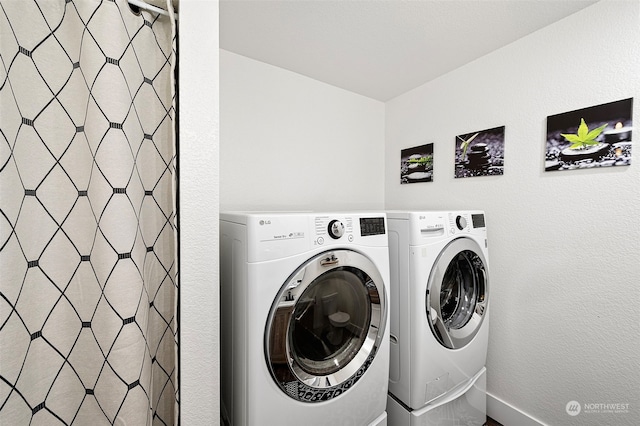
x=478, y=220
x=372, y=226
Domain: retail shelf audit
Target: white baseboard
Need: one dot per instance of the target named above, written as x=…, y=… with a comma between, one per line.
x=507, y=414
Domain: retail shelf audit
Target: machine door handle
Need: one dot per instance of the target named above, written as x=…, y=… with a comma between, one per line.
x=329, y=260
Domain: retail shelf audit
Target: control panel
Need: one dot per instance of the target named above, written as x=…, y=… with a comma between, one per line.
x=280, y=235
x=465, y=221
x=326, y=228
x=331, y=228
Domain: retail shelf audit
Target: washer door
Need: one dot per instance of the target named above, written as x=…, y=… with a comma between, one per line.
x=326, y=325
x=457, y=293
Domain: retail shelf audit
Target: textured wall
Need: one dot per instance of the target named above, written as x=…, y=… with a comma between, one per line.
x=199, y=206
x=292, y=143
x=564, y=246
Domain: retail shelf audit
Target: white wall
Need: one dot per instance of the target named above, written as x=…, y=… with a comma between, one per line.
x=292, y=143
x=564, y=246
x=199, y=206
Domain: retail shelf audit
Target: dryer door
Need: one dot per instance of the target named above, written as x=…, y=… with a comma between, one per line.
x=326, y=326
x=457, y=293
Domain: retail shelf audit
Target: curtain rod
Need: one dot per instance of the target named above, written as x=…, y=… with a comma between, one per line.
x=151, y=8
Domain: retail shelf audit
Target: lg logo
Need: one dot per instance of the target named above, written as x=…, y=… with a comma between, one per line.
x=573, y=408
x=265, y=222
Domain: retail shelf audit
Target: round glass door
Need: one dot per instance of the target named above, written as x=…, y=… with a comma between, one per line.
x=326, y=325
x=457, y=293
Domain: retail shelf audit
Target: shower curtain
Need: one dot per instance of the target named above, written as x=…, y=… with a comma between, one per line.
x=88, y=264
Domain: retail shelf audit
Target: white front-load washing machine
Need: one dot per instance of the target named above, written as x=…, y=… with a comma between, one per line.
x=304, y=318
x=439, y=318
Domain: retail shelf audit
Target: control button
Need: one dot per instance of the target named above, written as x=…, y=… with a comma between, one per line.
x=320, y=240
x=350, y=238
x=461, y=222
x=336, y=229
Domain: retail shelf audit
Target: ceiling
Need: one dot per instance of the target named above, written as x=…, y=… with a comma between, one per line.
x=380, y=48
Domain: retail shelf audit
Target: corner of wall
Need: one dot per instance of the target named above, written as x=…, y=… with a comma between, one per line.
x=198, y=213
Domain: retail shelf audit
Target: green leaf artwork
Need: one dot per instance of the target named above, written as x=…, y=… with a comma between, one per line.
x=584, y=138
x=465, y=144
x=425, y=161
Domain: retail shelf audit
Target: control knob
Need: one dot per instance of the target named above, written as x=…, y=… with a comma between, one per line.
x=336, y=229
x=461, y=222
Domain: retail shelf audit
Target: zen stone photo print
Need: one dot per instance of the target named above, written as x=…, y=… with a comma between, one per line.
x=480, y=153
x=593, y=137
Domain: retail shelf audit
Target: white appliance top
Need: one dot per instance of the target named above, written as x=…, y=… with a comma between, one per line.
x=275, y=235
x=427, y=226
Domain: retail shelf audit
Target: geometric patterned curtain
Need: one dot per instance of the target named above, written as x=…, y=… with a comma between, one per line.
x=88, y=265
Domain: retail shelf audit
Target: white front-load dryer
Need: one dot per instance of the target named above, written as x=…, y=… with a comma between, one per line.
x=304, y=318
x=439, y=318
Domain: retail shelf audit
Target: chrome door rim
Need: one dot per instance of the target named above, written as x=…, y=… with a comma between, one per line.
x=455, y=338
x=298, y=382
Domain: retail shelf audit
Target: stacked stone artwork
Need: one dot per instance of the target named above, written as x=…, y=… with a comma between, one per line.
x=478, y=156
